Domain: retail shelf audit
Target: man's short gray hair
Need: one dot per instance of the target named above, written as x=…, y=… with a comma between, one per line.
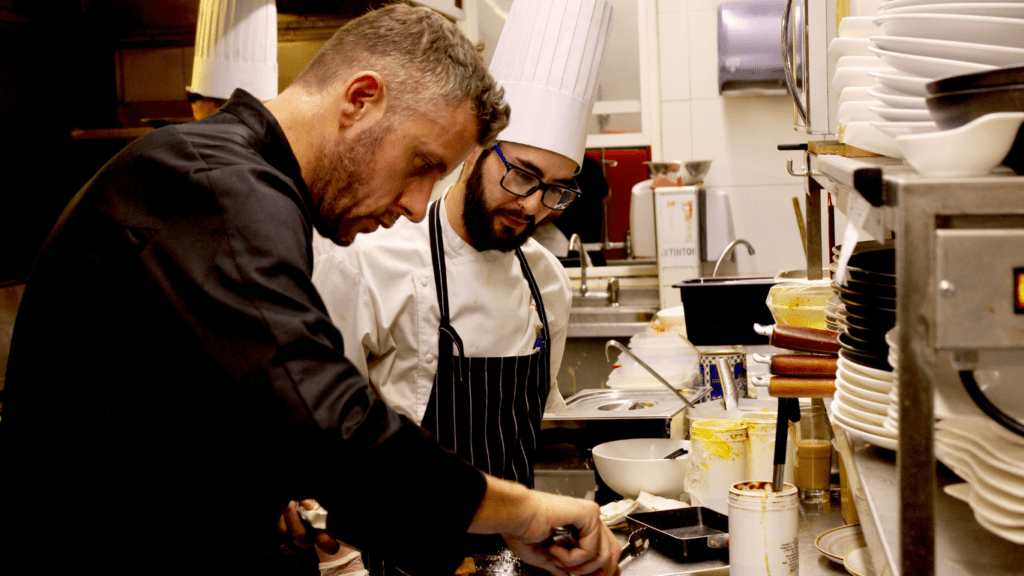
x=424, y=60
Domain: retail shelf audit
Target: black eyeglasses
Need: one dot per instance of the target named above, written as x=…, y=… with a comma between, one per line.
x=522, y=183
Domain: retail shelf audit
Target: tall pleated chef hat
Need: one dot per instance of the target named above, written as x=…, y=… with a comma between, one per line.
x=548, y=59
x=236, y=47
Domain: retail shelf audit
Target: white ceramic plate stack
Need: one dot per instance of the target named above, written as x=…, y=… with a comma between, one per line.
x=922, y=41
x=861, y=402
x=892, y=420
x=991, y=461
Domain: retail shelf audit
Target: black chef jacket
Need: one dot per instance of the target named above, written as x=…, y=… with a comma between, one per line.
x=174, y=379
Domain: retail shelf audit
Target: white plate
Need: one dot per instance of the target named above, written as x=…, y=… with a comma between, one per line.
x=892, y=337
x=955, y=28
x=961, y=491
x=892, y=426
x=856, y=414
x=853, y=375
x=861, y=404
x=847, y=422
x=857, y=27
x=858, y=563
x=893, y=360
x=896, y=99
x=845, y=362
x=895, y=129
x=964, y=51
x=860, y=393
x=858, y=112
x=928, y=66
x=881, y=441
x=840, y=47
x=1000, y=486
x=856, y=94
x=890, y=4
x=910, y=84
x=865, y=136
x=997, y=9
x=901, y=114
x=853, y=77
x=837, y=543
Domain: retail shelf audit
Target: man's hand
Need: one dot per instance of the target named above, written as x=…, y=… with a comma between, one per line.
x=302, y=535
x=525, y=518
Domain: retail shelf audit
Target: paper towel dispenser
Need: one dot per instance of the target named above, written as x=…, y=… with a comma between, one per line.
x=749, y=47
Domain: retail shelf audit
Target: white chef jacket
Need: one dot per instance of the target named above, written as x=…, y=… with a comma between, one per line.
x=381, y=294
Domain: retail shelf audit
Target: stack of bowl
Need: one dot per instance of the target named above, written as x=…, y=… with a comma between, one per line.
x=924, y=40
x=960, y=100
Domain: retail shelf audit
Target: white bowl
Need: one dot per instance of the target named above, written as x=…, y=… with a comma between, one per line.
x=973, y=149
x=638, y=465
x=895, y=129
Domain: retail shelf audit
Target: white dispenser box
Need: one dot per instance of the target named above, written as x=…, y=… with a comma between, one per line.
x=677, y=225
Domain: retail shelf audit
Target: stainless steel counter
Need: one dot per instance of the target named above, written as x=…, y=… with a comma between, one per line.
x=813, y=521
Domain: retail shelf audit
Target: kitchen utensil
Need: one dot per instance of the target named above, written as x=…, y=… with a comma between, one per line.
x=712, y=374
x=636, y=465
x=720, y=311
x=567, y=537
x=994, y=78
x=729, y=394
x=791, y=387
x=646, y=367
x=636, y=546
x=789, y=409
x=973, y=149
x=800, y=338
x=799, y=365
x=687, y=534
x=677, y=454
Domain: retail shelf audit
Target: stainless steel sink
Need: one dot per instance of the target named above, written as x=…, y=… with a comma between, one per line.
x=612, y=315
x=616, y=314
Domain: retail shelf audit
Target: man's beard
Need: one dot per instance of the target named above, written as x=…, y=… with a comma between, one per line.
x=480, y=220
x=338, y=178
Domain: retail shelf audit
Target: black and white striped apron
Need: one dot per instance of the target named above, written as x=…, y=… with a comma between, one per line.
x=486, y=409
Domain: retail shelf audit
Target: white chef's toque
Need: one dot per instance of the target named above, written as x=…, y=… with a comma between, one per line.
x=236, y=47
x=548, y=59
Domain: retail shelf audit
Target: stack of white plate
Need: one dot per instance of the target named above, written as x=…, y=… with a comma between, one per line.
x=892, y=420
x=861, y=401
x=991, y=461
x=922, y=41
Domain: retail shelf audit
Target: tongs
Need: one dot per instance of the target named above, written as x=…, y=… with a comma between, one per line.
x=789, y=411
x=644, y=365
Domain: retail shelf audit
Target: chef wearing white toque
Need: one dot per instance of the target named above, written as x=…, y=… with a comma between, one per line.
x=236, y=47
x=461, y=319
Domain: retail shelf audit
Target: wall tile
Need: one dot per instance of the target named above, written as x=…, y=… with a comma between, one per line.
x=673, y=55
x=703, y=51
x=672, y=6
x=676, y=131
x=696, y=5
x=741, y=135
x=764, y=216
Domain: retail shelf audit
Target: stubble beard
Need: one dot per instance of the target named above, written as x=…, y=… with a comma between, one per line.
x=482, y=225
x=338, y=179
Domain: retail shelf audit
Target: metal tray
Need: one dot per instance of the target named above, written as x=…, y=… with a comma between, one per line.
x=684, y=533
x=617, y=403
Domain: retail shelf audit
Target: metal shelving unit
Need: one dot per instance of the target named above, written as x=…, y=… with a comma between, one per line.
x=911, y=526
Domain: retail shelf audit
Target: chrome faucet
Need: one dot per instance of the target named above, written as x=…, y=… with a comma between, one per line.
x=575, y=239
x=728, y=249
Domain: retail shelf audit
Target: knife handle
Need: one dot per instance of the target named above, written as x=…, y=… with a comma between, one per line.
x=805, y=339
x=786, y=387
x=803, y=365
x=567, y=537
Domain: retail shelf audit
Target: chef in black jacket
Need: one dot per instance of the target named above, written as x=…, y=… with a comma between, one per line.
x=174, y=380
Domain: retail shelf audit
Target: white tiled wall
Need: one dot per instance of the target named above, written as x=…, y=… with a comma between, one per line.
x=740, y=134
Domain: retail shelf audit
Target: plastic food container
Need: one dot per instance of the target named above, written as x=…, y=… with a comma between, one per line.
x=800, y=303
